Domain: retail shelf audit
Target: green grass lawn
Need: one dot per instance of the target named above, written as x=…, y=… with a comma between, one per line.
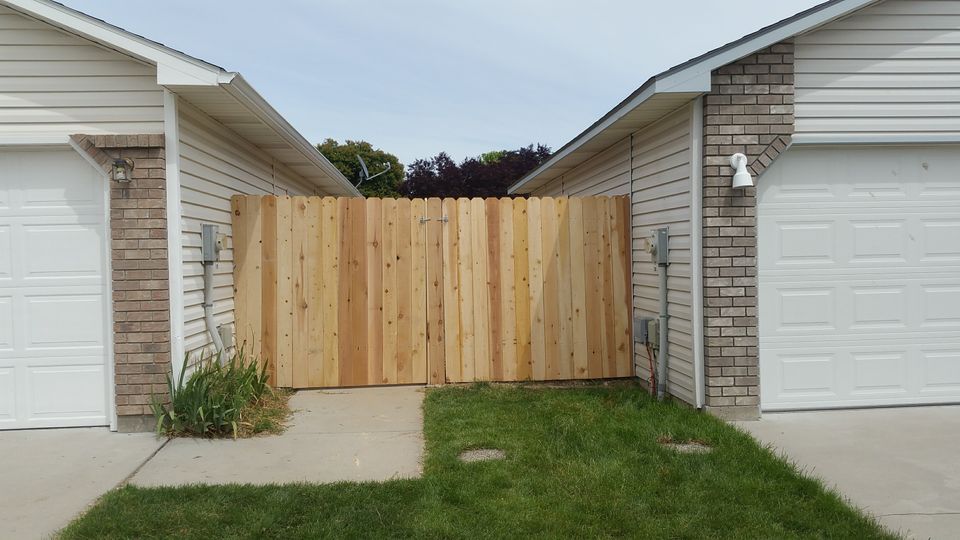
x=581, y=462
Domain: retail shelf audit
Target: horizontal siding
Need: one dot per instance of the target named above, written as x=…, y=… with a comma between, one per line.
x=661, y=197
x=607, y=173
x=53, y=84
x=889, y=72
x=215, y=165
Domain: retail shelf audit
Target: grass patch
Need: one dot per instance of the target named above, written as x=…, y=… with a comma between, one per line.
x=580, y=462
x=268, y=415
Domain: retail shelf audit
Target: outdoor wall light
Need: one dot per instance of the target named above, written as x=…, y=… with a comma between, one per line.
x=122, y=169
x=741, y=179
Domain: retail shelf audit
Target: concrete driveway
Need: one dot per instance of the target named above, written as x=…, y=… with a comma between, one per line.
x=48, y=476
x=335, y=435
x=899, y=464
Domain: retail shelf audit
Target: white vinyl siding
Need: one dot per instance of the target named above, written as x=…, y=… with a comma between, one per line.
x=216, y=164
x=887, y=73
x=53, y=84
x=662, y=198
x=607, y=173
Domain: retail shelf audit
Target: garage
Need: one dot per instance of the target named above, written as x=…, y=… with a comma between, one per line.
x=859, y=277
x=53, y=291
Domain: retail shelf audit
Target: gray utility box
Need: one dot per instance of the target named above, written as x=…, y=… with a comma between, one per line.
x=647, y=330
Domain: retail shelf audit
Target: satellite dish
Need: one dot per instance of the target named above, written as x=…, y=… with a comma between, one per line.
x=365, y=173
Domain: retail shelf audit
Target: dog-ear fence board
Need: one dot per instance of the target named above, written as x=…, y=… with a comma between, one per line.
x=354, y=292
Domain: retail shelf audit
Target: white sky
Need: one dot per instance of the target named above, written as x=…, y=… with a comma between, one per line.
x=418, y=77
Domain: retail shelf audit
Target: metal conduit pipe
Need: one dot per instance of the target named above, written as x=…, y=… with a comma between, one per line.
x=210, y=251
x=663, y=261
x=208, y=307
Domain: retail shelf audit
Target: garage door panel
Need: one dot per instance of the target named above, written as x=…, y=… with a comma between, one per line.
x=53, y=302
x=6, y=323
x=941, y=240
x=8, y=394
x=44, y=246
x=941, y=306
x=63, y=321
x=896, y=305
x=873, y=240
x=6, y=253
x=859, y=282
x=54, y=390
x=941, y=372
x=846, y=375
x=880, y=373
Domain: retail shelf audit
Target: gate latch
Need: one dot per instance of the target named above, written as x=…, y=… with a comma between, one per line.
x=442, y=219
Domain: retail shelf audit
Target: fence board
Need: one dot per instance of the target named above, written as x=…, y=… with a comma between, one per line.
x=351, y=292
x=535, y=280
x=452, y=341
x=521, y=282
x=374, y=286
x=330, y=287
x=300, y=327
x=418, y=292
x=390, y=285
x=508, y=300
x=436, y=367
x=314, y=351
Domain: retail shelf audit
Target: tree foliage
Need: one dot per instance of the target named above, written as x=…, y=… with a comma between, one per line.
x=344, y=158
x=488, y=175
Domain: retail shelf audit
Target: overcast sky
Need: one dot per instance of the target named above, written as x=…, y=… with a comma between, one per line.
x=418, y=77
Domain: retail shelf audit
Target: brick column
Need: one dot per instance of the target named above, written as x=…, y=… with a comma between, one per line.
x=140, y=278
x=748, y=110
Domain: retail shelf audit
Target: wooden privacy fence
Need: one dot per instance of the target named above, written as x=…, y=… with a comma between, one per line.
x=354, y=292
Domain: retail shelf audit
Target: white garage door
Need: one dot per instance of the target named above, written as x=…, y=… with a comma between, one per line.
x=859, y=277
x=52, y=291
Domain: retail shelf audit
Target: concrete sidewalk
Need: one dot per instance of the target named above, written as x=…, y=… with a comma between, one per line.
x=899, y=464
x=350, y=434
x=48, y=476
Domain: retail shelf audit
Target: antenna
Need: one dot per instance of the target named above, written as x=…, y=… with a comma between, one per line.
x=365, y=173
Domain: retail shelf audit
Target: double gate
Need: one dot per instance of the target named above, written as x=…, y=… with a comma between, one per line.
x=354, y=292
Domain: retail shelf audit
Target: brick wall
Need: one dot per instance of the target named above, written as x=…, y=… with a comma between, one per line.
x=140, y=279
x=748, y=110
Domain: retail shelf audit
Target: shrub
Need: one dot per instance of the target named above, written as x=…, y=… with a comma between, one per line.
x=210, y=402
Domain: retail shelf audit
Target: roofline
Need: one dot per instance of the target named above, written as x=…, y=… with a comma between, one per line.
x=175, y=68
x=694, y=74
x=241, y=90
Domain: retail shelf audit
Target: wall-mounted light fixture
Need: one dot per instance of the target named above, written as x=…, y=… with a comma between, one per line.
x=741, y=178
x=122, y=169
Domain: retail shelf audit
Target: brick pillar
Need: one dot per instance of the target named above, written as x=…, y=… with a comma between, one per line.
x=140, y=278
x=748, y=110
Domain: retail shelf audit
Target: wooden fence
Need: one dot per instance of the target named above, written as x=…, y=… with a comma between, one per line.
x=353, y=292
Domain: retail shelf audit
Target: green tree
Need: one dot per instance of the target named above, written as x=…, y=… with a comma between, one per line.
x=344, y=157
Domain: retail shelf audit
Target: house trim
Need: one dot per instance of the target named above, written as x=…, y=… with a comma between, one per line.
x=171, y=128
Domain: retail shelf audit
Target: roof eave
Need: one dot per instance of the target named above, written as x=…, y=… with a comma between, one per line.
x=241, y=90
x=694, y=75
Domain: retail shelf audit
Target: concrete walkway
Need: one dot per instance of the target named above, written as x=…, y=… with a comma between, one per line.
x=900, y=464
x=356, y=434
x=48, y=476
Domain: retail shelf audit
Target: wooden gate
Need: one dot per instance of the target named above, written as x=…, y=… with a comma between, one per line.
x=353, y=292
